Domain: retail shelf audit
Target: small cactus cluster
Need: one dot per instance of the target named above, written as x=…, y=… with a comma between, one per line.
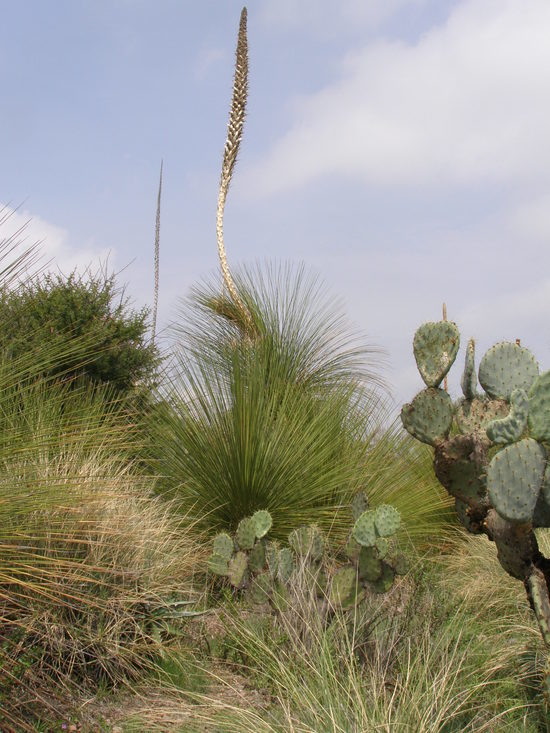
x=368, y=548
x=244, y=553
x=253, y=563
x=250, y=561
x=490, y=448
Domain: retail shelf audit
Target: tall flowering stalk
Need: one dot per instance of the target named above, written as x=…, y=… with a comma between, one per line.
x=157, y=242
x=231, y=149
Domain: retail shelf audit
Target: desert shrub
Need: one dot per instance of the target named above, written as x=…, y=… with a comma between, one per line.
x=89, y=561
x=52, y=309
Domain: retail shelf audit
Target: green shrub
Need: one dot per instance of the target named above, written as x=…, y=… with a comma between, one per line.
x=52, y=309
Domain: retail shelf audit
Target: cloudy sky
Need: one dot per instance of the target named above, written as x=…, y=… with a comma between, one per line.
x=400, y=148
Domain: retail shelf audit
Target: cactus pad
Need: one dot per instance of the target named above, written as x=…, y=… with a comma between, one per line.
x=539, y=408
x=317, y=547
x=237, y=569
x=463, y=513
x=460, y=469
x=469, y=379
x=385, y=581
x=400, y=565
x=429, y=416
x=514, y=479
x=256, y=557
x=307, y=541
x=506, y=367
x=285, y=564
x=260, y=588
x=541, y=513
x=352, y=548
x=370, y=565
x=218, y=564
x=262, y=522
x=321, y=584
x=280, y=596
x=246, y=533
x=272, y=558
x=435, y=348
x=382, y=546
x=344, y=584
x=299, y=540
x=546, y=484
x=474, y=415
x=510, y=429
x=223, y=545
x=364, y=531
x=387, y=520
x=359, y=505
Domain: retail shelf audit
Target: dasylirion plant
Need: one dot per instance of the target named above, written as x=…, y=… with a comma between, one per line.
x=491, y=449
x=372, y=564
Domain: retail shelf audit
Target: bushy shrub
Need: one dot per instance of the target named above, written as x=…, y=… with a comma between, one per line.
x=52, y=309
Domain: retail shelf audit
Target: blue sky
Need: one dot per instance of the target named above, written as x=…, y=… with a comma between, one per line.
x=398, y=147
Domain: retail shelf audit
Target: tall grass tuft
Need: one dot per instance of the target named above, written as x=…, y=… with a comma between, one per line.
x=290, y=417
x=87, y=556
x=413, y=660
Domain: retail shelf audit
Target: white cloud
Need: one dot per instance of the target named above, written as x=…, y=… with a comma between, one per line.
x=19, y=230
x=326, y=17
x=467, y=104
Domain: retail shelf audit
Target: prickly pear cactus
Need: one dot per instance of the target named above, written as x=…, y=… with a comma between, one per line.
x=490, y=451
x=240, y=557
x=372, y=565
x=262, y=571
x=256, y=565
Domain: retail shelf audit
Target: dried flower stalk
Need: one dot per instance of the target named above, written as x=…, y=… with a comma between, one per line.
x=232, y=143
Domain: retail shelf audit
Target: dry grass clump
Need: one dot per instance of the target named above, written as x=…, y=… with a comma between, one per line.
x=420, y=658
x=472, y=573
x=90, y=561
